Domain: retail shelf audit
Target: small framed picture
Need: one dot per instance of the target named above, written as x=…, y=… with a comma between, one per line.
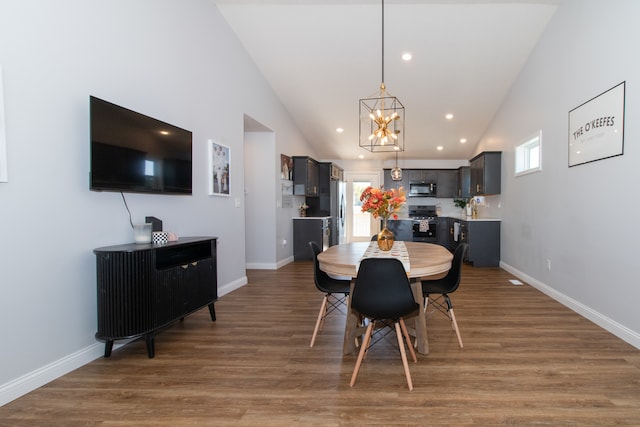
x=286, y=167
x=219, y=169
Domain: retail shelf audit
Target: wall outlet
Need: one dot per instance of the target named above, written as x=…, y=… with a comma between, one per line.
x=549, y=264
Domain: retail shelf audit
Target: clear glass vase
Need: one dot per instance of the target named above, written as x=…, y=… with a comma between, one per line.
x=385, y=237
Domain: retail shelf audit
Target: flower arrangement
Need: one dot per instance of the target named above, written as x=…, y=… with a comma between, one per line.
x=381, y=203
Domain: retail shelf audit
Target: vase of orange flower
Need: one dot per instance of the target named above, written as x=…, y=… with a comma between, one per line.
x=383, y=204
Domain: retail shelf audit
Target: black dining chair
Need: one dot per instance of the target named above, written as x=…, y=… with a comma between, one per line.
x=382, y=292
x=336, y=291
x=445, y=286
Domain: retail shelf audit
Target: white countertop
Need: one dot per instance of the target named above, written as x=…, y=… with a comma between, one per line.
x=459, y=217
x=311, y=217
x=468, y=218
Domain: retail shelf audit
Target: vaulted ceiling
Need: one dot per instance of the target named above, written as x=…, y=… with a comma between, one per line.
x=322, y=56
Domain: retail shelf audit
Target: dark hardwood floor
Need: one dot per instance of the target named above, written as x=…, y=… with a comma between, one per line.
x=527, y=360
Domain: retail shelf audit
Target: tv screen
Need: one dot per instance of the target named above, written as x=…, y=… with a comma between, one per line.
x=131, y=152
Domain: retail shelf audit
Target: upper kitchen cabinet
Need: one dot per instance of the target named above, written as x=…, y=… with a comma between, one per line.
x=422, y=176
x=328, y=175
x=337, y=174
x=305, y=176
x=447, y=180
x=389, y=183
x=485, y=173
x=464, y=182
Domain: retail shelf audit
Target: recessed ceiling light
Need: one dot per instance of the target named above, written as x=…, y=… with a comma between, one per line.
x=407, y=56
x=463, y=140
x=440, y=147
x=449, y=116
x=339, y=130
x=164, y=132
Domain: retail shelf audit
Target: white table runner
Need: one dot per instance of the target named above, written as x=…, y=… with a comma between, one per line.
x=398, y=250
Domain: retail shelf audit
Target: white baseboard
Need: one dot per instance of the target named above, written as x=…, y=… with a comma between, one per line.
x=41, y=376
x=621, y=331
x=232, y=286
x=268, y=265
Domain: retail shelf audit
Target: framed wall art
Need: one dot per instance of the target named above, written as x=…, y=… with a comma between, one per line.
x=286, y=167
x=219, y=169
x=4, y=177
x=596, y=128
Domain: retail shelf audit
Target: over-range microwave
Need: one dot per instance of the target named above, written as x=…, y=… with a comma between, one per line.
x=422, y=189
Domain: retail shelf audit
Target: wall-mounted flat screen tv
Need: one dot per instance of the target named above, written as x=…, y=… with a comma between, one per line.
x=134, y=153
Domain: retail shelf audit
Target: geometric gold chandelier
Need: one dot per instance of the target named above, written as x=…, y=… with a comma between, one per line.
x=382, y=117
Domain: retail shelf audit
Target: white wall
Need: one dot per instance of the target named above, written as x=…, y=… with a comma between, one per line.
x=175, y=61
x=259, y=190
x=579, y=218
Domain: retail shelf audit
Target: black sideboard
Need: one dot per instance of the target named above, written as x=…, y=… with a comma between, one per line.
x=144, y=287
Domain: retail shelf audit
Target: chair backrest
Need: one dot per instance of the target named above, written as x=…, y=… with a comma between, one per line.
x=319, y=276
x=382, y=289
x=455, y=272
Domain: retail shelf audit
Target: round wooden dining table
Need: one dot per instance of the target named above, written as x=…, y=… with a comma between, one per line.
x=425, y=259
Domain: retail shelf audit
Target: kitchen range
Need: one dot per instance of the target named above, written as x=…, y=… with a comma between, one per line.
x=424, y=223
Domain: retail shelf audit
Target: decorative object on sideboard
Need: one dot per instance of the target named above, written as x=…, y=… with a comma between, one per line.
x=142, y=233
x=156, y=224
x=160, y=237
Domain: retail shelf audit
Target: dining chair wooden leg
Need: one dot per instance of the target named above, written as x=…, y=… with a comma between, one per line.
x=320, y=320
x=405, y=332
x=355, y=339
x=363, y=349
x=403, y=354
x=455, y=326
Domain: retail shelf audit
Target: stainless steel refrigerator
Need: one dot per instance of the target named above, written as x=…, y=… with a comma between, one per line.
x=338, y=212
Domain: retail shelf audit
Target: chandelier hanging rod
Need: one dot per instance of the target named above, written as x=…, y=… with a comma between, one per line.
x=382, y=81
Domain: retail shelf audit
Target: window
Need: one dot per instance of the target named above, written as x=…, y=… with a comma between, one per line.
x=361, y=220
x=528, y=155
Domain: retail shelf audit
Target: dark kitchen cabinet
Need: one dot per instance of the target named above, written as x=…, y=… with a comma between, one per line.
x=486, y=173
x=447, y=181
x=464, y=182
x=452, y=242
x=305, y=176
x=442, y=232
x=307, y=230
x=320, y=205
x=483, y=238
x=422, y=176
x=402, y=229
